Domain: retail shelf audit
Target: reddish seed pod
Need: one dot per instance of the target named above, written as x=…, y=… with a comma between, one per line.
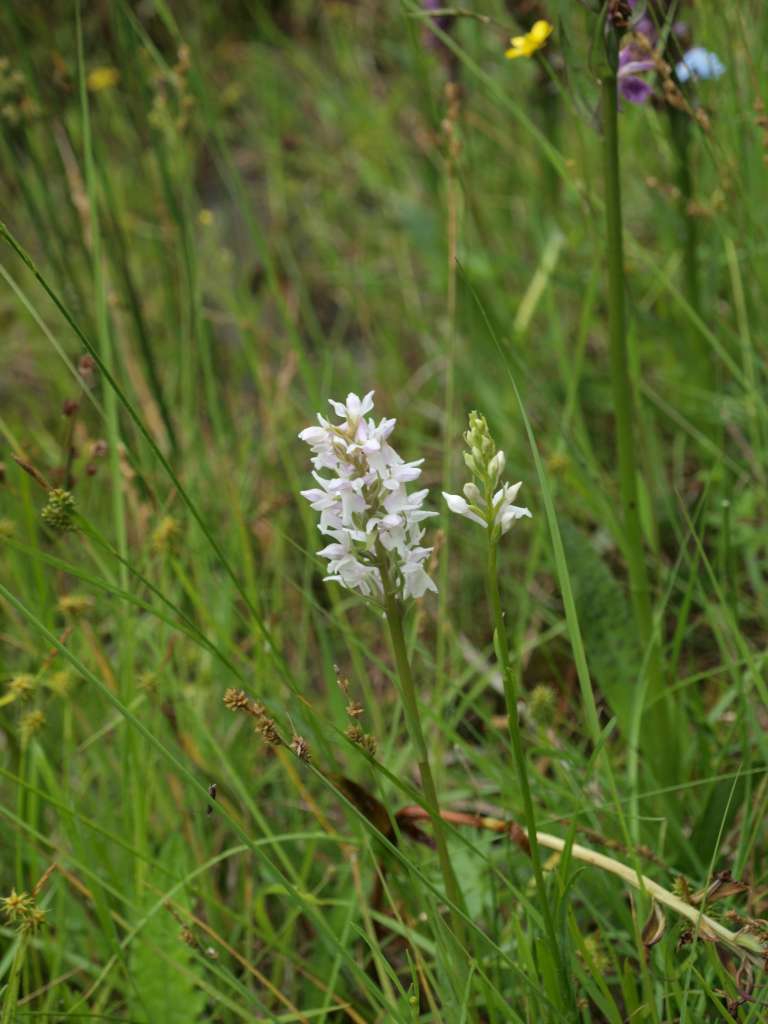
x=86, y=367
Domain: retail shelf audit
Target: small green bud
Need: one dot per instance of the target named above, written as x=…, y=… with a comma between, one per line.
x=470, y=463
x=496, y=467
x=472, y=493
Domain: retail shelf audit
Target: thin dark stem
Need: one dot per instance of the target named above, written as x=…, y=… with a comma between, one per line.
x=626, y=441
x=680, y=130
x=619, y=358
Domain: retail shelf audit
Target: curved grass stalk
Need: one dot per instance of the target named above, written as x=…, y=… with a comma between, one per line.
x=743, y=943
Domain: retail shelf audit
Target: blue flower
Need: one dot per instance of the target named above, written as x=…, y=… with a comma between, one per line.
x=699, y=63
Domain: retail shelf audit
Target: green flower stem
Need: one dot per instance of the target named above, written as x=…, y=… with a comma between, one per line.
x=510, y=695
x=394, y=614
x=680, y=130
x=639, y=585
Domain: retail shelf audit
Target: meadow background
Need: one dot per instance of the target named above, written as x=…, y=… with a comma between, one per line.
x=217, y=217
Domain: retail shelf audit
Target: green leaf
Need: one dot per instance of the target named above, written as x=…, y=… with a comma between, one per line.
x=606, y=622
x=161, y=964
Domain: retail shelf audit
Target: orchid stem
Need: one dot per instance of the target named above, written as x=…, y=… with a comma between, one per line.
x=393, y=611
x=510, y=695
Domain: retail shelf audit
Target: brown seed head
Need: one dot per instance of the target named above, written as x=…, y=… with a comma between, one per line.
x=86, y=367
x=300, y=748
x=235, y=700
x=266, y=728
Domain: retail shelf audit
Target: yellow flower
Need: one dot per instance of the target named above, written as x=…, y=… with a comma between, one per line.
x=102, y=78
x=527, y=45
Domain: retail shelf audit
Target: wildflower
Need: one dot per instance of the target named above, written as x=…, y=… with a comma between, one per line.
x=631, y=66
x=102, y=78
x=364, y=506
x=698, y=63
x=527, y=45
x=59, y=513
x=484, y=502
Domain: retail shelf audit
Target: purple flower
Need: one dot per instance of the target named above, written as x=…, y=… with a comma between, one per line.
x=441, y=21
x=632, y=65
x=646, y=27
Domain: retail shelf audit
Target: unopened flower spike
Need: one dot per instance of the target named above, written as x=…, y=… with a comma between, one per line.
x=484, y=501
x=364, y=506
x=527, y=45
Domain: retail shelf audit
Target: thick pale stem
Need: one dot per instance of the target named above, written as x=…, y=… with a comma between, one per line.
x=705, y=924
x=743, y=941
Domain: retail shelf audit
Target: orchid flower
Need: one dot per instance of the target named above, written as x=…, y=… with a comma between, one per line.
x=484, y=502
x=364, y=505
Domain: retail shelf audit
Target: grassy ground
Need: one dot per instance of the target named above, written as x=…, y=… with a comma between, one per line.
x=220, y=216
